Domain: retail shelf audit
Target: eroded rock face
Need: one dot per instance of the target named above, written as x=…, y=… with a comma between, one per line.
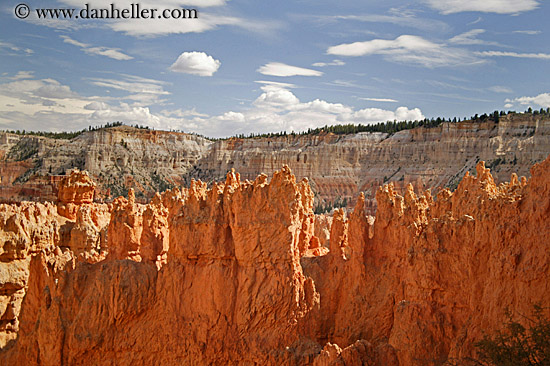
x=74, y=190
x=338, y=167
x=234, y=274
x=28, y=229
x=25, y=230
x=429, y=277
x=224, y=281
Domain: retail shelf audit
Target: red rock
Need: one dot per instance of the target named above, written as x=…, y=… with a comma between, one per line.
x=233, y=274
x=74, y=190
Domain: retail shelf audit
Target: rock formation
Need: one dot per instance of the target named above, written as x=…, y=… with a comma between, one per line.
x=75, y=227
x=74, y=190
x=234, y=274
x=338, y=166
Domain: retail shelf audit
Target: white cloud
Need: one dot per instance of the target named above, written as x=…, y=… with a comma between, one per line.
x=48, y=104
x=479, y=19
x=469, y=38
x=529, y=32
x=60, y=24
x=35, y=104
x=142, y=91
x=542, y=56
x=96, y=106
x=205, y=22
x=485, y=6
x=26, y=104
x=113, y=53
x=69, y=40
x=376, y=114
x=281, y=110
x=284, y=70
x=132, y=84
x=196, y=63
x=333, y=63
x=398, y=17
x=21, y=75
x=380, y=100
x=346, y=84
x=14, y=50
x=275, y=84
x=500, y=89
x=407, y=49
x=108, y=52
x=541, y=100
x=155, y=27
x=181, y=113
x=278, y=98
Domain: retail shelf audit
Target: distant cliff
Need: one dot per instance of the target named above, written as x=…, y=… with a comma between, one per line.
x=338, y=166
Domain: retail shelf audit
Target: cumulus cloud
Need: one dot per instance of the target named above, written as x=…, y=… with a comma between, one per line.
x=54, y=90
x=196, y=63
x=284, y=70
x=541, y=100
x=278, y=98
x=96, y=106
x=485, y=6
x=281, y=110
x=40, y=104
x=28, y=91
x=181, y=113
x=113, y=53
x=407, y=49
x=21, y=75
x=34, y=104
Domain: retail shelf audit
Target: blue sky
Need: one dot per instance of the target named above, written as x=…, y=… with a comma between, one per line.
x=248, y=66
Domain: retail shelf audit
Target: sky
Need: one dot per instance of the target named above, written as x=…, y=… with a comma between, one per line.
x=245, y=66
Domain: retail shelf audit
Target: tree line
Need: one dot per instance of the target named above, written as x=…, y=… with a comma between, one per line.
x=389, y=127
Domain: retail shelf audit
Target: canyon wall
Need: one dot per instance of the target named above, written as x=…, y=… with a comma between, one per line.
x=118, y=159
x=235, y=274
x=338, y=166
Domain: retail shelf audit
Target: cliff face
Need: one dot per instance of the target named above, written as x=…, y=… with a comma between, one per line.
x=118, y=158
x=338, y=167
x=342, y=166
x=430, y=277
x=234, y=274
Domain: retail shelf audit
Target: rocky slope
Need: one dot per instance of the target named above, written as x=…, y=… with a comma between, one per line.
x=338, y=166
x=234, y=274
x=118, y=158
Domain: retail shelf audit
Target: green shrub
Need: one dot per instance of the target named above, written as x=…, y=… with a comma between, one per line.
x=518, y=345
